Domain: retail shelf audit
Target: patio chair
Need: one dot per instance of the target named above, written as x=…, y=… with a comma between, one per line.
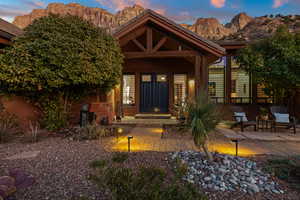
x=240, y=117
x=283, y=118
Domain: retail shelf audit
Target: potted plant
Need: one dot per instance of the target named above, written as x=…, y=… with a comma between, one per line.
x=180, y=110
x=263, y=113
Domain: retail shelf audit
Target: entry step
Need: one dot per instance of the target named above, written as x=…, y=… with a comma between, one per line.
x=153, y=116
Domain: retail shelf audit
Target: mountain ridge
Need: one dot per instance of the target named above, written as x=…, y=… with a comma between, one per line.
x=241, y=27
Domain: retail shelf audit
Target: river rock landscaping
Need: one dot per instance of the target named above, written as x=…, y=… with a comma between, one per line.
x=226, y=173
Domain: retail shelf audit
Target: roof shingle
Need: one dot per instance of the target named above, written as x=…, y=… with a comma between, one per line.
x=9, y=30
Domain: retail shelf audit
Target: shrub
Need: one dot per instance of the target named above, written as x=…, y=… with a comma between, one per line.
x=120, y=157
x=297, y=24
x=143, y=183
x=146, y=183
x=98, y=164
x=281, y=168
x=90, y=132
x=63, y=58
x=180, y=168
x=8, y=124
x=203, y=118
x=54, y=116
x=34, y=131
x=287, y=169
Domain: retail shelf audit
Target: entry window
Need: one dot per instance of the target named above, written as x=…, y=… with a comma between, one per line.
x=146, y=78
x=129, y=89
x=180, y=88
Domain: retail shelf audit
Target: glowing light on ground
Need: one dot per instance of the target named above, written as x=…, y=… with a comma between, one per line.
x=230, y=149
x=135, y=145
x=156, y=130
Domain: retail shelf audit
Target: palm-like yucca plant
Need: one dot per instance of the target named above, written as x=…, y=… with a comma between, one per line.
x=202, y=119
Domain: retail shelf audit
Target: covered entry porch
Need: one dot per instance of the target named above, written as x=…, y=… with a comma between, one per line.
x=164, y=65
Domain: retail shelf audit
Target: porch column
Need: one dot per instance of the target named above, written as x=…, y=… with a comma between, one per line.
x=228, y=79
x=204, y=75
x=197, y=75
x=201, y=75
x=171, y=92
x=137, y=91
x=253, y=89
x=121, y=97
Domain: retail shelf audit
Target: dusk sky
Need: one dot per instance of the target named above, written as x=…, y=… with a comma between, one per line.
x=178, y=10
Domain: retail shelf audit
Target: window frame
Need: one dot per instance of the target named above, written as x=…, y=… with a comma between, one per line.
x=129, y=74
x=186, y=85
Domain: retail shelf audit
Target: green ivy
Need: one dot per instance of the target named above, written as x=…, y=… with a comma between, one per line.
x=54, y=116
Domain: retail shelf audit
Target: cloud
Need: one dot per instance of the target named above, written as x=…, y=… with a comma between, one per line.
x=8, y=12
x=117, y=5
x=182, y=17
x=279, y=3
x=33, y=3
x=218, y=3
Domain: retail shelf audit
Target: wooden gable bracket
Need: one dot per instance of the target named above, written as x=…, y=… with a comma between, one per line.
x=132, y=36
x=160, y=44
x=138, y=44
x=149, y=39
x=153, y=52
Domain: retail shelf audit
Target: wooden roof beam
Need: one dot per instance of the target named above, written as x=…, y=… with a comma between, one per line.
x=132, y=36
x=149, y=39
x=160, y=54
x=139, y=45
x=160, y=44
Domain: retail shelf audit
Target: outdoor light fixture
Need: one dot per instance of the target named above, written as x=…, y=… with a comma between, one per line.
x=164, y=131
x=129, y=138
x=120, y=130
x=236, y=141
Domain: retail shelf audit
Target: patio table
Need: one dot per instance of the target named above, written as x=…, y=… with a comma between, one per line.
x=265, y=125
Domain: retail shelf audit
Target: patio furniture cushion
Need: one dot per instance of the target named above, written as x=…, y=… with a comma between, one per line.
x=240, y=115
x=282, y=118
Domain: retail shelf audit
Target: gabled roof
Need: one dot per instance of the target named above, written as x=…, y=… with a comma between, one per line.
x=8, y=30
x=178, y=30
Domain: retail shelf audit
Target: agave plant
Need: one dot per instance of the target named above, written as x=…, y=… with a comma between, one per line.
x=202, y=120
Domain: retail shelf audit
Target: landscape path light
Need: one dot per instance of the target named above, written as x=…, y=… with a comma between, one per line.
x=129, y=138
x=236, y=141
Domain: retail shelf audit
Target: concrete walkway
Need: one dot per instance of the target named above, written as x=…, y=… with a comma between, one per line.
x=149, y=139
x=283, y=135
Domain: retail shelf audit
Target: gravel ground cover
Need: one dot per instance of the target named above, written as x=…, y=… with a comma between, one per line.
x=60, y=169
x=62, y=166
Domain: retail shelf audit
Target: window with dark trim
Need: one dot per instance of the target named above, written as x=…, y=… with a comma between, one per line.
x=180, y=88
x=233, y=86
x=129, y=89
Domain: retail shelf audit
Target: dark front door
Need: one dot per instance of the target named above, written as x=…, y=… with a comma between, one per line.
x=154, y=93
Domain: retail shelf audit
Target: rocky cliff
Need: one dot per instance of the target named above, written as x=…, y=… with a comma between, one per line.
x=263, y=27
x=241, y=27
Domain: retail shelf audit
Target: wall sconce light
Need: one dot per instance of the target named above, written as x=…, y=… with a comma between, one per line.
x=129, y=138
x=120, y=130
x=191, y=82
